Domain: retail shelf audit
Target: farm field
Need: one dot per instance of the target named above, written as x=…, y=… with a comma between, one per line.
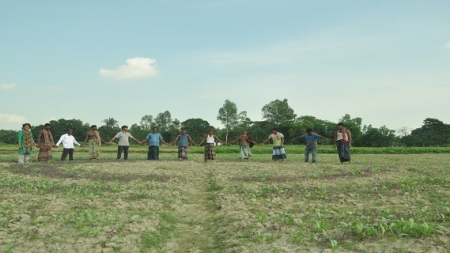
x=379, y=203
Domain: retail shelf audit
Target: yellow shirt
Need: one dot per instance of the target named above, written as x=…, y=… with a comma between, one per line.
x=276, y=138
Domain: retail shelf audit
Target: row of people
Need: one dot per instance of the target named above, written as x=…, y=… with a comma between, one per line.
x=342, y=140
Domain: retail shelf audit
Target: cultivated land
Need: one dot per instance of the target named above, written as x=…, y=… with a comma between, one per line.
x=379, y=203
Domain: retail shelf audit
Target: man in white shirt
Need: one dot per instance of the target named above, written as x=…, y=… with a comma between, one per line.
x=123, y=143
x=68, y=142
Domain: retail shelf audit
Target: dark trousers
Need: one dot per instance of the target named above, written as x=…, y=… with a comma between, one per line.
x=67, y=151
x=153, y=153
x=125, y=152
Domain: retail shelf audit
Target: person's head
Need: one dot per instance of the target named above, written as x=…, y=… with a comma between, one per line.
x=26, y=126
x=340, y=125
x=183, y=132
x=211, y=132
x=244, y=133
x=274, y=130
x=69, y=131
x=309, y=131
x=94, y=128
x=124, y=128
x=155, y=129
x=47, y=126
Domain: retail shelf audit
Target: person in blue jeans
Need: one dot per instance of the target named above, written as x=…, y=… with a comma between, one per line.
x=311, y=144
x=154, y=138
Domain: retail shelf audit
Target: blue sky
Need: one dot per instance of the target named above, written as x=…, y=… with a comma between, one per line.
x=387, y=62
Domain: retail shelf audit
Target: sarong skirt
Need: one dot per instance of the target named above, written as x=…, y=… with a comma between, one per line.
x=245, y=152
x=278, y=153
x=210, y=151
x=94, y=152
x=45, y=153
x=182, y=152
x=343, y=151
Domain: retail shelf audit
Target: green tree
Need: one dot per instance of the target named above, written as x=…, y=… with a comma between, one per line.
x=436, y=132
x=377, y=137
x=8, y=136
x=106, y=132
x=228, y=115
x=163, y=121
x=323, y=127
x=260, y=130
x=59, y=127
x=111, y=122
x=110, y=128
x=146, y=123
x=137, y=131
x=244, y=121
x=432, y=133
x=36, y=129
x=169, y=128
x=278, y=112
x=79, y=128
x=196, y=128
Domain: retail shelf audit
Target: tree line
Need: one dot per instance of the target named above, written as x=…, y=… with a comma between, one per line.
x=277, y=114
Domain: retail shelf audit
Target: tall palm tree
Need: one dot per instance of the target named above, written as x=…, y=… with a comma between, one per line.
x=111, y=122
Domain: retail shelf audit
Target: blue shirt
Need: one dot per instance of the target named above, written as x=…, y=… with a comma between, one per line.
x=311, y=140
x=183, y=140
x=154, y=139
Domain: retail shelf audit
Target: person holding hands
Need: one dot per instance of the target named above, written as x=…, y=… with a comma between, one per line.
x=68, y=142
x=26, y=144
x=154, y=138
x=311, y=144
x=183, y=143
x=210, y=145
x=123, y=142
x=278, y=152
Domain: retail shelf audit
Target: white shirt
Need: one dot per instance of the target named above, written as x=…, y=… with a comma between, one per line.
x=210, y=139
x=67, y=141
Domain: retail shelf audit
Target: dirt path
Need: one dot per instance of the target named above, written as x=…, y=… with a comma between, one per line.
x=194, y=228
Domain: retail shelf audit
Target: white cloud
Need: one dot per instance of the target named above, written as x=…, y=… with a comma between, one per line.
x=447, y=45
x=55, y=118
x=12, y=118
x=7, y=86
x=136, y=68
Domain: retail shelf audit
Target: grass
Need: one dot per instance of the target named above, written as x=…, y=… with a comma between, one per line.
x=265, y=149
x=379, y=203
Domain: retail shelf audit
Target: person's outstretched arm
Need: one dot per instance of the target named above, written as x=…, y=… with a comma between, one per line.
x=111, y=140
x=204, y=139
x=264, y=142
x=231, y=142
x=297, y=137
x=140, y=142
x=217, y=138
x=193, y=142
x=322, y=137
x=176, y=139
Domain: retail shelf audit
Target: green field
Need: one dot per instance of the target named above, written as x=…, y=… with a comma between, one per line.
x=379, y=203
